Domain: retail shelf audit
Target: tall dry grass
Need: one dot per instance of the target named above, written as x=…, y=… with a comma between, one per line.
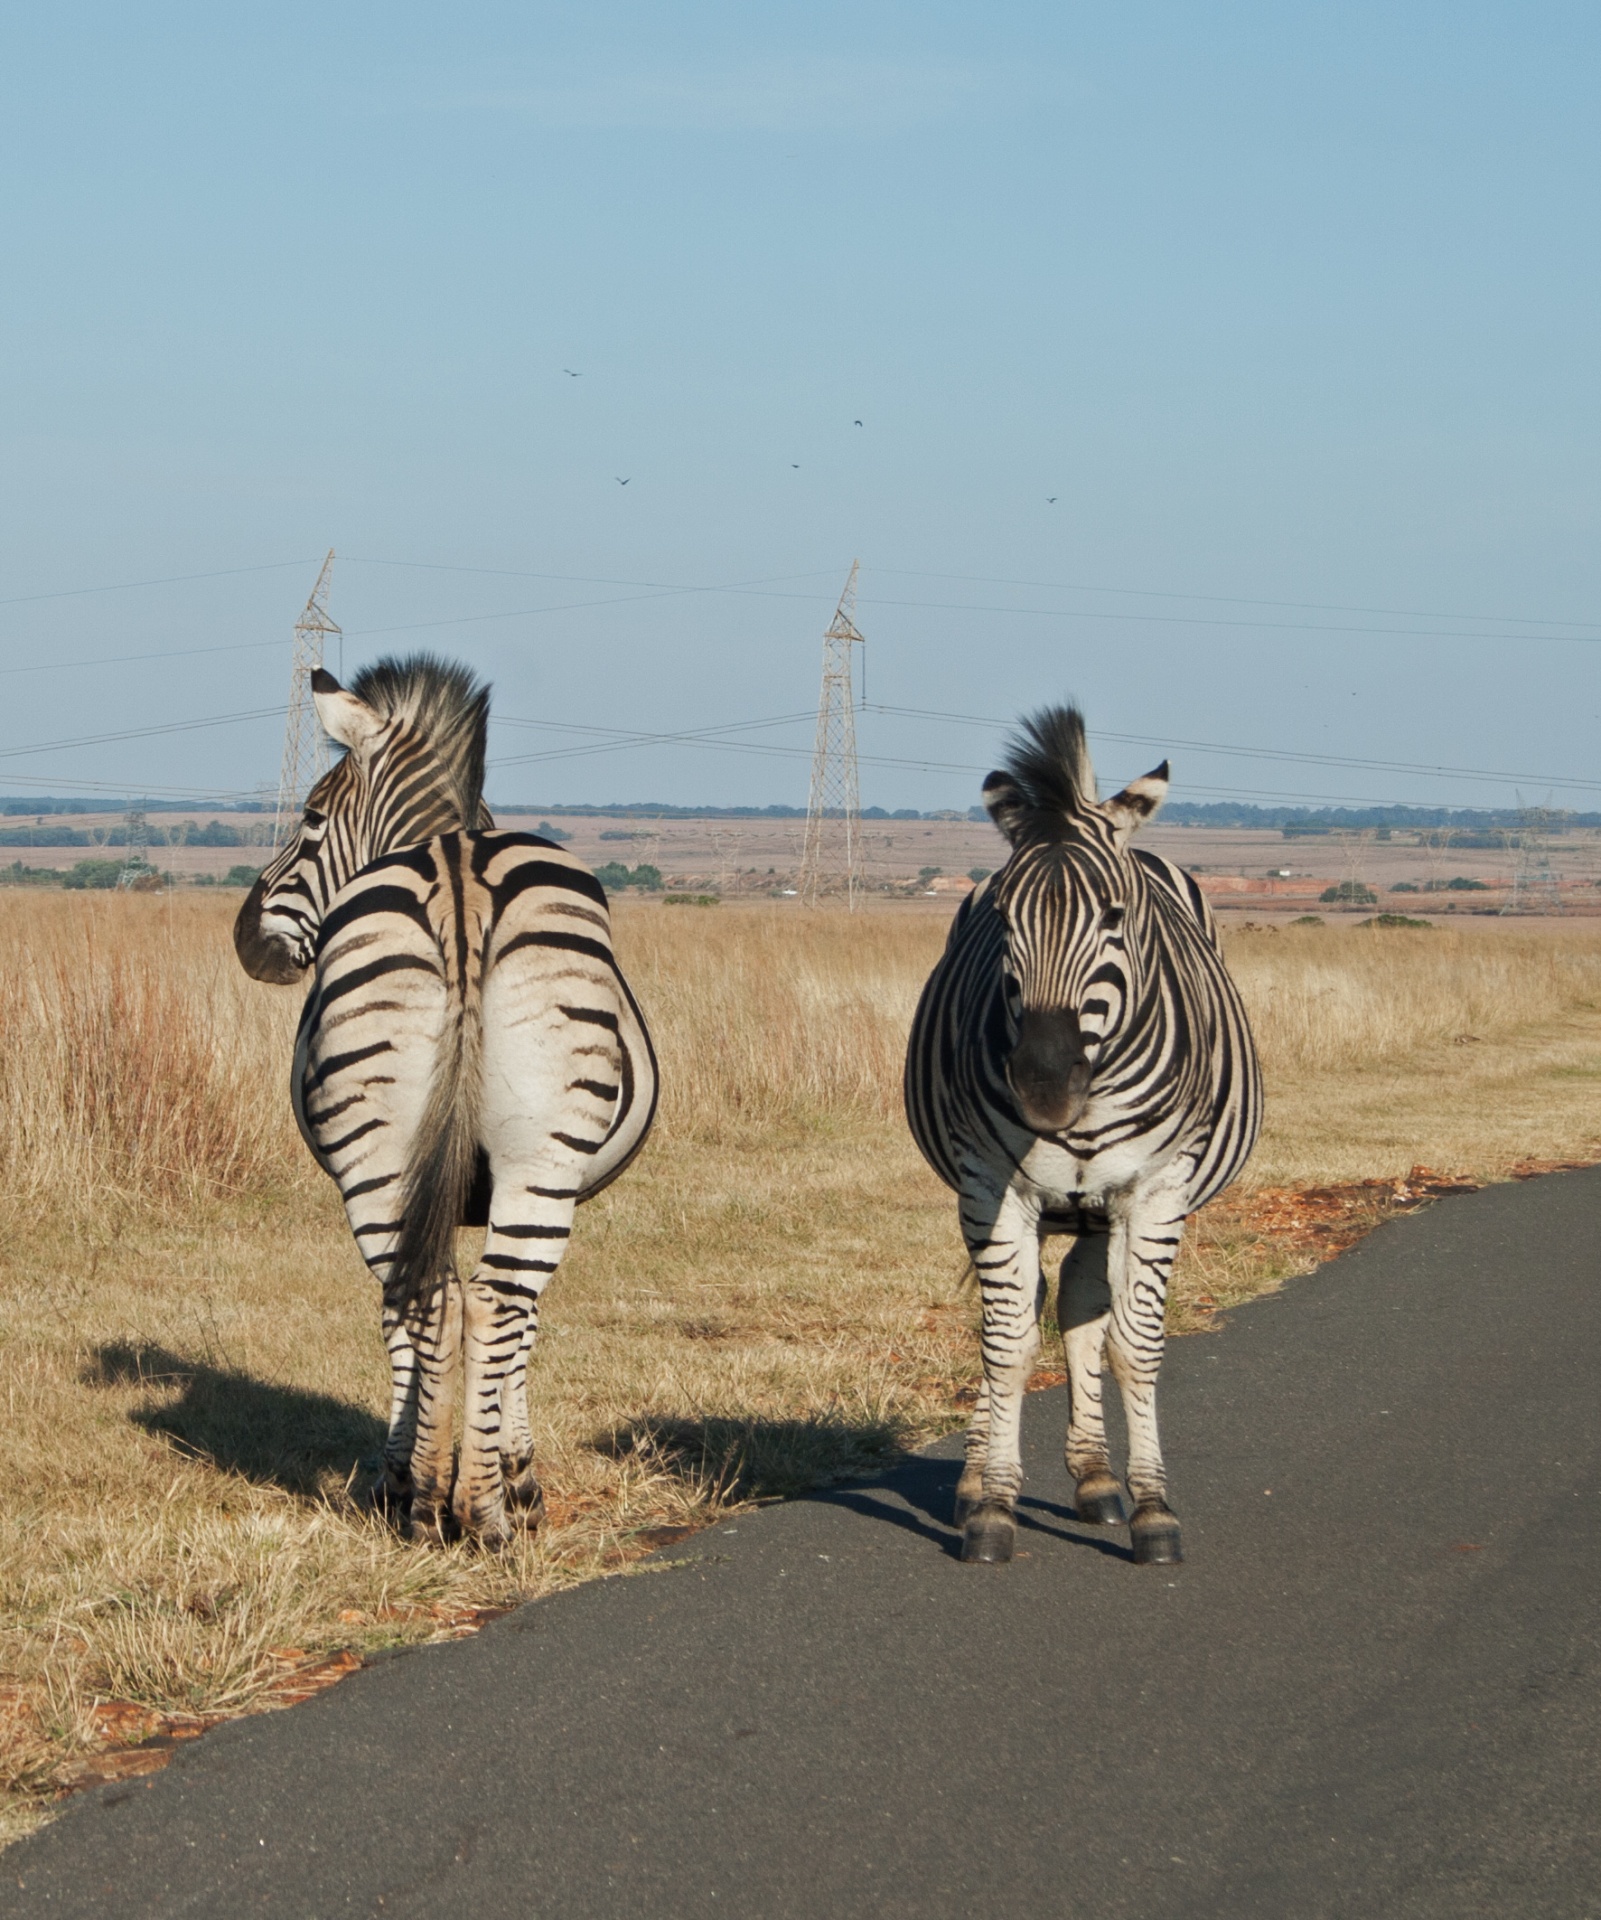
x=1332, y=999
x=138, y=1065
x=189, y=1356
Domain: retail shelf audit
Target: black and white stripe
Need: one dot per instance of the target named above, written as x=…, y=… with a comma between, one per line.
x=469, y=1054
x=1079, y=1062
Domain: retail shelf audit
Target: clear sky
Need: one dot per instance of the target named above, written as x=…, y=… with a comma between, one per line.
x=1153, y=315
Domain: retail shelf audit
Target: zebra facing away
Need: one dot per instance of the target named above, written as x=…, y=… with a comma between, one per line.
x=1079, y=1063
x=469, y=1054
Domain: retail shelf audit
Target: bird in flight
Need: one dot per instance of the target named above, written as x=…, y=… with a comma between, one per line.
x=858, y=423
x=795, y=465
x=1050, y=499
x=571, y=375
x=620, y=481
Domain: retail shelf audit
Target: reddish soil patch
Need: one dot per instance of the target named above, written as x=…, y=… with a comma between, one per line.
x=1327, y=1220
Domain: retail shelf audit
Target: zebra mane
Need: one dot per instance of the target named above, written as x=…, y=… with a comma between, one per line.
x=1047, y=765
x=447, y=704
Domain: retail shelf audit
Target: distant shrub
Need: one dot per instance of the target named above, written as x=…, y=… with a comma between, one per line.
x=975, y=874
x=615, y=876
x=549, y=832
x=94, y=874
x=17, y=875
x=689, y=900
x=1307, y=920
x=925, y=874
x=1349, y=893
x=1405, y=886
x=240, y=877
x=1396, y=920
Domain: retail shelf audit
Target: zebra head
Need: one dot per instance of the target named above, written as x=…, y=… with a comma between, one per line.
x=414, y=734
x=1068, y=971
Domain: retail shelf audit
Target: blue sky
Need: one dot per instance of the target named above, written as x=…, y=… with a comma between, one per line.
x=1152, y=315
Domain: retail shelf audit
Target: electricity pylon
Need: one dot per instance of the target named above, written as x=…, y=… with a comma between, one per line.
x=306, y=757
x=1535, y=886
x=831, y=860
x=136, y=848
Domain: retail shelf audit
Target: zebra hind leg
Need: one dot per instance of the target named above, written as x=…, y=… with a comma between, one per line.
x=1083, y=1302
x=437, y=1335
x=527, y=1236
x=525, y=1498
x=390, y=1493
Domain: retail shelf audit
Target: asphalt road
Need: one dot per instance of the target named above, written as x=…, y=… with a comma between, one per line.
x=1371, y=1690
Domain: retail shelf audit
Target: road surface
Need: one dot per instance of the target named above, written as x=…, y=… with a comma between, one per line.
x=1371, y=1689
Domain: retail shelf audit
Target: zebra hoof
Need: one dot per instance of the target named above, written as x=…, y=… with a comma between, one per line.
x=969, y=1494
x=524, y=1496
x=1154, y=1535
x=989, y=1535
x=1098, y=1501
x=526, y=1512
x=431, y=1526
x=389, y=1496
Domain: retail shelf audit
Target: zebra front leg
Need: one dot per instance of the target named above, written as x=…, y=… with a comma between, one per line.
x=1083, y=1303
x=1144, y=1244
x=970, y=1488
x=1003, y=1241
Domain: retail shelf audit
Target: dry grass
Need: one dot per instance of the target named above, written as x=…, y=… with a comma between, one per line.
x=188, y=1347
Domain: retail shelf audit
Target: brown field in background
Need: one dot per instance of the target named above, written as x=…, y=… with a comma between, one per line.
x=189, y=1350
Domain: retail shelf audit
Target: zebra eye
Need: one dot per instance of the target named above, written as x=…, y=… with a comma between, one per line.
x=313, y=819
x=1112, y=919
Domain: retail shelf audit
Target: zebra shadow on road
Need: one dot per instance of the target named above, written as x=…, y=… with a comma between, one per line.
x=859, y=1464
x=919, y=1496
x=309, y=1444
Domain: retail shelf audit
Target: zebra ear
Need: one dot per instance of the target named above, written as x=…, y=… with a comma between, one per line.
x=1003, y=800
x=1130, y=809
x=344, y=718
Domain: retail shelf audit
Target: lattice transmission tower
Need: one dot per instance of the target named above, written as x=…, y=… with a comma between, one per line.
x=1536, y=887
x=831, y=860
x=136, y=848
x=306, y=756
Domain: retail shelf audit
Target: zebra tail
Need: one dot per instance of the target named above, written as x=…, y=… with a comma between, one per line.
x=439, y=1170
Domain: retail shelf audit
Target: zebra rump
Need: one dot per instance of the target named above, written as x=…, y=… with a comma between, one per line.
x=468, y=1049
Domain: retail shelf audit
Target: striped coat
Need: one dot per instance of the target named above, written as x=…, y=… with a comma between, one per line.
x=1079, y=1062
x=469, y=1053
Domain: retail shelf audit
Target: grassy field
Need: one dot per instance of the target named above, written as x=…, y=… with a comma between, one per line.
x=189, y=1353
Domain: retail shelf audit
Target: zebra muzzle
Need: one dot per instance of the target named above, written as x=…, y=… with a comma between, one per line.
x=1049, y=1072
x=264, y=956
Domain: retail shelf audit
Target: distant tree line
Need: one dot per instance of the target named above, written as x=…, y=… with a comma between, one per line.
x=185, y=833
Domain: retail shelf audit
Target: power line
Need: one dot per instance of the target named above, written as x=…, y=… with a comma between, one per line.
x=1236, y=599
x=1272, y=753
x=168, y=580
x=125, y=659
x=1054, y=586
x=141, y=733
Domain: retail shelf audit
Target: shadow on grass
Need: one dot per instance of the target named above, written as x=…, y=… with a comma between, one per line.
x=306, y=1443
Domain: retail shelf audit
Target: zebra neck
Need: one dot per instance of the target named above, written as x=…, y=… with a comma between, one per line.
x=407, y=819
